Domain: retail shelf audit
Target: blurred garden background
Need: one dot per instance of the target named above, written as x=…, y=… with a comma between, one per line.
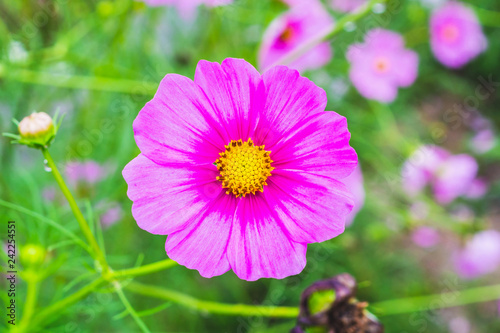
x=423, y=225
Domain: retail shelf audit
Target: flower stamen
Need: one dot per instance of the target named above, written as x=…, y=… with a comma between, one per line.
x=244, y=167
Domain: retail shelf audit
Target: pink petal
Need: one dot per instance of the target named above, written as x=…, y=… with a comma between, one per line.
x=235, y=91
x=454, y=177
x=319, y=144
x=260, y=246
x=312, y=208
x=202, y=246
x=290, y=99
x=405, y=68
x=166, y=199
x=178, y=125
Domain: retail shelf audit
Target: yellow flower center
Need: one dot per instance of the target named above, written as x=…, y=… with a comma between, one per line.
x=287, y=35
x=450, y=33
x=244, y=167
x=381, y=64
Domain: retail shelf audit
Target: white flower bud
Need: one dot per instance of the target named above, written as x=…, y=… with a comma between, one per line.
x=38, y=128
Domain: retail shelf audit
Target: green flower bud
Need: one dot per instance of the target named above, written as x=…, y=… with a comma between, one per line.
x=32, y=255
x=37, y=129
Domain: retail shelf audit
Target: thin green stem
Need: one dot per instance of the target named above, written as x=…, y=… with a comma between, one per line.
x=329, y=33
x=146, y=269
x=384, y=308
x=144, y=313
x=130, y=309
x=50, y=311
x=212, y=307
x=84, y=226
x=79, y=82
x=29, y=306
x=43, y=219
x=437, y=301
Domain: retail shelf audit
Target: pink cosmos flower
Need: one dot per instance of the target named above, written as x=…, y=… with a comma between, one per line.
x=88, y=172
x=113, y=213
x=481, y=255
x=450, y=176
x=346, y=6
x=381, y=65
x=477, y=189
x=292, y=30
x=187, y=8
x=484, y=138
x=241, y=170
x=355, y=184
x=425, y=237
x=456, y=35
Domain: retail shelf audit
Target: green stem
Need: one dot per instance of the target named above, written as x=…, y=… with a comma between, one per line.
x=84, y=226
x=79, y=82
x=50, y=311
x=437, y=301
x=146, y=269
x=43, y=219
x=128, y=306
x=328, y=34
x=213, y=307
x=384, y=308
x=29, y=306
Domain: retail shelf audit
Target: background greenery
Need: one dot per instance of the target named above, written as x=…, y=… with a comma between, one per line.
x=101, y=61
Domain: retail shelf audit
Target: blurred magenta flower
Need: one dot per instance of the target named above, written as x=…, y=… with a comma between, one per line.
x=241, y=170
x=450, y=176
x=381, y=65
x=187, y=8
x=346, y=6
x=112, y=214
x=88, y=172
x=425, y=236
x=480, y=256
x=483, y=141
x=291, y=31
x=456, y=35
x=354, y=183
x=459, y=325
x=484, y=138
x=477, y=189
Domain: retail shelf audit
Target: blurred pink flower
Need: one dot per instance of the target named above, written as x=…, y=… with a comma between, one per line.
x=425, y=237
x=355, y=184
x=456, y=35
x=381, y=65
x=88, y=172
x=346, y=6
x=477, y=189
x=291, y=31
x=480, y=256
x=112, y=214
x=255, y=210
x=462, y=213
x=187, y=8
x=459, y=325
x=483, y=141
x=450, y=176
